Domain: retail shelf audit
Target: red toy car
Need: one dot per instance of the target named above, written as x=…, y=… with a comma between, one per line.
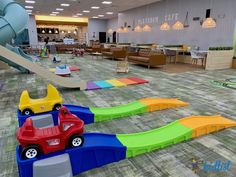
x=34, y=141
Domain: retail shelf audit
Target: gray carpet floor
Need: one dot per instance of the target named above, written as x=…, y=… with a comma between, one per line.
x=176, y=161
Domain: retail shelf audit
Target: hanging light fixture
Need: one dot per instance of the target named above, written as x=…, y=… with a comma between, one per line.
x=209, y=22
x=56, y=31
x=50, y=31
x=147, y=28
x=119, y=30
x=62, y=32
x=125, y=30
x=110, y=31
x=138, y=29
x=165, y=25
x=43, y=31
x=178, y=25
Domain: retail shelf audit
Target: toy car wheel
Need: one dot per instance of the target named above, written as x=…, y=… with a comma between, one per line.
x=76, y=141
x=30, y=152
x=57, y=107
x=27, y=112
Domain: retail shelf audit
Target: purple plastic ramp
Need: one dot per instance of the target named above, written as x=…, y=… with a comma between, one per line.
x=92, y=86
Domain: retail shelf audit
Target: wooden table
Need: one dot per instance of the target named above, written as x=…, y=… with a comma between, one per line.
x=96, y=54
x=177, y=51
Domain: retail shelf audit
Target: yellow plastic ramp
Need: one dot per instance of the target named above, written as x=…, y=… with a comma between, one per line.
x=202, y=125
x=116, y=83
x=154, y=104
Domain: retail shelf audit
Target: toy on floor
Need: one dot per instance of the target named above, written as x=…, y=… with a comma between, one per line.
x=95, y=85
x=36, y=141
x=94, y=114
x=228, y=83
x=122, y=67
x=29, y=106
x=100, y=149
x=63, y=70
x=56, y=59
x=44, y=53
x=77, y=52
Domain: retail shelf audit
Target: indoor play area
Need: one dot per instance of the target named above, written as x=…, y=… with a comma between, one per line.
x=74, y=105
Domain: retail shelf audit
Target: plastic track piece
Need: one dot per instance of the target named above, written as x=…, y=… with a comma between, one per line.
x=155, y=104
x=139, y=143
x=203, y=125
x=102, y=114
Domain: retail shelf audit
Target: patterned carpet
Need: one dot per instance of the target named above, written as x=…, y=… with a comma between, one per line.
x=175, y=161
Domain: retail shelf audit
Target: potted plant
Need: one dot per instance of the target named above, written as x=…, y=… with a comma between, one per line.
x=219, y=57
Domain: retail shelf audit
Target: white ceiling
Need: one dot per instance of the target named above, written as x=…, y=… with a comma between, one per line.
x=46, y=7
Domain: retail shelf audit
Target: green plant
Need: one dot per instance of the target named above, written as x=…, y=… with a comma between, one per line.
x=220, y=48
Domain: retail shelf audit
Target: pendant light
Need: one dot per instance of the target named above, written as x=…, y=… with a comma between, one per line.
x=125, y=30
x=165, y=25
x=138, y=29
x=146, y=27
x=209, y=22
x=119, y=30
x=178, y=25
x=110, y=31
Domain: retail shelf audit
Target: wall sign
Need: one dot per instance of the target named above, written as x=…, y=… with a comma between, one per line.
x=152, y=20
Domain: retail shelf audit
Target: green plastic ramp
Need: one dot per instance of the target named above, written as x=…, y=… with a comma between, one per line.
x=139, y=143
x=134, y=108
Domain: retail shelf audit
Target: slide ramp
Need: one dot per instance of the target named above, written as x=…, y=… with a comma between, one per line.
x=44, y=73
x=96, y=114
x=98, y=150
x=134, y=108
x=178, y=131
x=19, y=51
x=101, y=149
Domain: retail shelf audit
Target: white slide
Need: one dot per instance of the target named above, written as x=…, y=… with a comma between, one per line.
x=13, y=20
x=44, y=73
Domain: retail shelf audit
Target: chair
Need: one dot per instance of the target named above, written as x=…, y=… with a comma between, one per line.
x=196, y=56
x=169, y=54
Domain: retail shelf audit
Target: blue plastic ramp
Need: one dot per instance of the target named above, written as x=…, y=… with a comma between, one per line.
x=103, y=84
x=98, y=150
x=83, y=113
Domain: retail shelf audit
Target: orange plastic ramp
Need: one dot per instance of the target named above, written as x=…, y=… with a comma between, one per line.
x=127, y=81
x=203, y=125
x=154, y=104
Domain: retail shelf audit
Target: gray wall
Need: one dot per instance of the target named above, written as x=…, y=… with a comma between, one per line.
x=223, y=10
x=96, y=26
x=113, y=24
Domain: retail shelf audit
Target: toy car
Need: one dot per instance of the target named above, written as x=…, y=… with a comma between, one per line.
x=63, y=70
x=29, y=106
x=36, y=141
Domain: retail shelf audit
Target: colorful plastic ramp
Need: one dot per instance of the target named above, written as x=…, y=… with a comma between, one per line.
x=101, y=149
x=95, y=85
x=95, y=114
